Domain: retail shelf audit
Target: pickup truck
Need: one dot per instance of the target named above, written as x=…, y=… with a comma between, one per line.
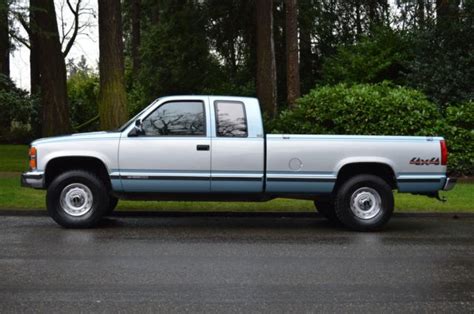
x=214, y=148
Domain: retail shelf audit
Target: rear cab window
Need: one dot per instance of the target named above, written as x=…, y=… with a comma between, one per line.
x=231, y=119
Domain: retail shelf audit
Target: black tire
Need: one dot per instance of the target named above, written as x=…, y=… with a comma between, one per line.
x=113, y=201
x=325, y=206
x=364, y=215
x=97, y=194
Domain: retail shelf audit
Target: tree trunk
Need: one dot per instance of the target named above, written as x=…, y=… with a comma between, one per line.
x=266, y=67
x=306, y=54
x=420, y=13
x=292, y=63
x=358, y=20
x=447, y=12
x=136, y=34
x=4, y=40
x=112, y=98
x=50, y=67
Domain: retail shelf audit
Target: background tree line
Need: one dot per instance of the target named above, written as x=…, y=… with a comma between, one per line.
x=276, y=50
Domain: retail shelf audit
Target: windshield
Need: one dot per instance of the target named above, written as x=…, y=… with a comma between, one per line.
x=132, y=120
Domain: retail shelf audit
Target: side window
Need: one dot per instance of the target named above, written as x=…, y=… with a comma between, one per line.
x=230, y=119
x=183, y=118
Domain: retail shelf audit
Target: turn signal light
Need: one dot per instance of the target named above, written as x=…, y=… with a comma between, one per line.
x=33, y=154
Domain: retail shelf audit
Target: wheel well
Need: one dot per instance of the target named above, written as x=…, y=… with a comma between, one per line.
x=59, y=165
x=381, y=170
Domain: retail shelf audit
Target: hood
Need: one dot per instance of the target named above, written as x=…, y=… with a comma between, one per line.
x=76, y=136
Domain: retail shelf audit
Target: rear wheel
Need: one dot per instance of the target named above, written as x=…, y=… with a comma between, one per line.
x=77, y=199
x=364, y=203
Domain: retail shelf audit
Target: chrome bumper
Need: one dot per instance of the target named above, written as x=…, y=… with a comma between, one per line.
x=32, y=180
x=449, y=184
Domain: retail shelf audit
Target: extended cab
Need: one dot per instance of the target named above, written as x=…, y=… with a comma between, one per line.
x=215, y=148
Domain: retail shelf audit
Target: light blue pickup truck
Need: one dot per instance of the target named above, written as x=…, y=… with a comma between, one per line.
x=215, y=148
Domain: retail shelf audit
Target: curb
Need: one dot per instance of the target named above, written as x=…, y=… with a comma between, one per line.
x=40, y=213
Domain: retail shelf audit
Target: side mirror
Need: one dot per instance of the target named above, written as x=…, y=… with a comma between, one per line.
x=137, y=130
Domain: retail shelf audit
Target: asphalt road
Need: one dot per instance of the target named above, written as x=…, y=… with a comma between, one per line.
x=236, y=264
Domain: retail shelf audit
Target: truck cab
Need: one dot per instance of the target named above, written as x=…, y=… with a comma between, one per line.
x=194, y=144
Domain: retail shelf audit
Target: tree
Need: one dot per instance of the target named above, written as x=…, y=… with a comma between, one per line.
x=292, y=64
x=112, y=98
x=51, y=68
x=4, y=40
x=266, y=66
x=136, y=35
x=176, y=57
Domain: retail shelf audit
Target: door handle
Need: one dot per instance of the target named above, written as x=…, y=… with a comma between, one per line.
x=202, y=147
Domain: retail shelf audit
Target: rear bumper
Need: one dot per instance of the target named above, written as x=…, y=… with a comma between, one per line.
x=449, y=184
x=32, y=180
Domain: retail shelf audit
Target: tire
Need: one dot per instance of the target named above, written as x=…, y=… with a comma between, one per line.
x=364, y=203
x=325, y=206
x=113, y=201
x=77, y=199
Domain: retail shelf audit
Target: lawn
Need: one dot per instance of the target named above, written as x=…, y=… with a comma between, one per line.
x=13, y=159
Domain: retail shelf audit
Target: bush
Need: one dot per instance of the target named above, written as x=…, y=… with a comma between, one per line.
x=378, y=109
x=19, y=119
x=83, y=93
x=460, y=138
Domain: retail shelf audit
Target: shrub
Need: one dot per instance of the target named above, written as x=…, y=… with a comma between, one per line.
x=83, y=91
x=460, y=138
x=365, y=109
x=19, y=118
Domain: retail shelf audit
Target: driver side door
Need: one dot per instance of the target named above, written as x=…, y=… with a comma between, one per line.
x=173, y=153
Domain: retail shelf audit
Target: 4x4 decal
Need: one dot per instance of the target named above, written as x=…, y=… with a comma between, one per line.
x=424, y=162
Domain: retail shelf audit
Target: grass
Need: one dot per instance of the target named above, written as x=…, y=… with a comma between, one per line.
x=14, y=159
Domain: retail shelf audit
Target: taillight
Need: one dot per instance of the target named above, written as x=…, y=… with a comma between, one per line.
x=444, y=153
x=33, y=156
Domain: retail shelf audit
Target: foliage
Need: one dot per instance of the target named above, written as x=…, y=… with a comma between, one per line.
x=441, y=60
x=378, y=109
x=374, y=58
x=83, y=91
x=460, y=137
x=175, y=54
x=19, y=118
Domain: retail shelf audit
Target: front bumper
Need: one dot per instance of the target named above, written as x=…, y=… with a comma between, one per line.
x=449, y=184
x=33, y=180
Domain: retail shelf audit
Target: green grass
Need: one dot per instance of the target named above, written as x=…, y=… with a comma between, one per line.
x=14, y=159
x=461, y=199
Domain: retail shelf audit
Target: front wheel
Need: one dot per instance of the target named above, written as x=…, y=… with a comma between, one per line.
x=77, y=199
x=364, y=203
x=113, y=201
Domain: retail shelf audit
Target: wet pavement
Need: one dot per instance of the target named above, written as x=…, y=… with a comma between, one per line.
x=236, y=264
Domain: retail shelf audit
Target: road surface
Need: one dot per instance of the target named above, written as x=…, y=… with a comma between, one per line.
x=236, y=264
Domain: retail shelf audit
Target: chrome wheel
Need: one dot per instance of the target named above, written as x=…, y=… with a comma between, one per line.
x=76, y=199
x=366, y=203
